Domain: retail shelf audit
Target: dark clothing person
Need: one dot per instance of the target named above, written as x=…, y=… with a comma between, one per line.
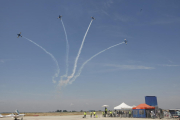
x=129, y=114
x=105, y=112
x=91, y=114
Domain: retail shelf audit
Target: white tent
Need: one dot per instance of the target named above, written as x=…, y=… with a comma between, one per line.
x=133, y=106
x=123, y=106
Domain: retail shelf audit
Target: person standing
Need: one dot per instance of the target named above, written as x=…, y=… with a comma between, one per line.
x=102, y=114
x=132, y=113
x=152, y=115
x=110, y=114
x=129, y=114
x=105, y=111
x=84, y=114
x=122, y=113
x=114, y=113
x=91, y=114
x=94, y=114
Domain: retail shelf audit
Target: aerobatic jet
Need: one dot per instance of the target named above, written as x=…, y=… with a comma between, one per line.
x=19, y=35
x=125, y=41
x=15, y=116
x=59, y=17
x=93, y=18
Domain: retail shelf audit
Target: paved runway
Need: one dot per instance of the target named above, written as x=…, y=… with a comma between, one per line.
x=73, y=117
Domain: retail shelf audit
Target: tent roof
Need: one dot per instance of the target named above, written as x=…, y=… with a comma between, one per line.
x=143, y=106
x=123, y=106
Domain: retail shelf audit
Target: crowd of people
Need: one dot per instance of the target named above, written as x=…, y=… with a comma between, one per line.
x=91, y=114
x=129, y=113
x=109, y=113
x=117, y=113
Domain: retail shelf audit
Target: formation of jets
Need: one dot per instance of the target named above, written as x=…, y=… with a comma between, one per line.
x=15, y=116
x=19, y=35
x=125, y=41
x=60, y=16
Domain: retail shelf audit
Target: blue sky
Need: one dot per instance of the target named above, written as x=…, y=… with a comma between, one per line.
x=147, y=65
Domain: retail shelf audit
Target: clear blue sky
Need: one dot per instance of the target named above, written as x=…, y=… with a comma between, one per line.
x=148, y=65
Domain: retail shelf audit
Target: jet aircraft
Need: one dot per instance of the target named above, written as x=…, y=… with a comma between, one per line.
x=93, y=18
x=15, y=116
x=125, y=41
x=19, y=35
x=59, y=17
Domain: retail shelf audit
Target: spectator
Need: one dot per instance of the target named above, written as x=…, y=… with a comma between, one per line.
x=91, y=114
x=84, y=114
x=152, y=115
x=129, y=114
x=94, y=114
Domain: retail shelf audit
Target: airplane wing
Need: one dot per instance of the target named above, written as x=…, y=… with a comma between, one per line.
x=11, y=115
x=19, y=116
x=1, y=116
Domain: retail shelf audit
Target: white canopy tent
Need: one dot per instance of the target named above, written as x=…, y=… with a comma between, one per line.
x=133, y=106
x=123, y=106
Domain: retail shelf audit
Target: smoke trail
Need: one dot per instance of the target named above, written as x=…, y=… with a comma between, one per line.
x=79, y=72
x=65, y=82
x=67, y=51
x=58, y=70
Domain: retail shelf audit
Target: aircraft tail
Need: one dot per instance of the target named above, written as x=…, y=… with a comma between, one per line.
x=17, y=112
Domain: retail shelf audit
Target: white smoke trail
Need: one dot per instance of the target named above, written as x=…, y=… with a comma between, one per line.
x=58, y=70
x=79, y=72
x=65, y=82
x=67, y=50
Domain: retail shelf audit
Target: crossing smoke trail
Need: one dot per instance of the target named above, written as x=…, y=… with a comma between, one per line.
x=67, y=51
x=58, y=70
x=65, y=82
x=79, y=72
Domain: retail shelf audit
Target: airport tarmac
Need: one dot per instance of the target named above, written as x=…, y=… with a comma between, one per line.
x=72, y=117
